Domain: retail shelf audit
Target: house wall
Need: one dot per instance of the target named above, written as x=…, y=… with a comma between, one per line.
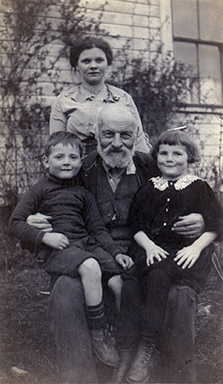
x=144, y=24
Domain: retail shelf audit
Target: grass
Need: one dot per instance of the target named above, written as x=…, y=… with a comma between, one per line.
x=27, y=348
x=209, y=333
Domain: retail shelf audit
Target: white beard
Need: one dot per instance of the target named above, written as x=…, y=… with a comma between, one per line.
x=116, y=159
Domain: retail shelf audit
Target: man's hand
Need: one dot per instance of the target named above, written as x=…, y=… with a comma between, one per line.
x=187, y=256
x=124, y=260
x=55, y=240
x=40, y=221
x=190, y=226
x=154, y=252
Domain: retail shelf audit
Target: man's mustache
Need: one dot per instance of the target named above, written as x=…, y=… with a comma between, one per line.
x=109, y=151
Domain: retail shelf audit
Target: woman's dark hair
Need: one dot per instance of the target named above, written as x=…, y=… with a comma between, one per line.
x=173, y=137
x=65, y=138
x=87, y=43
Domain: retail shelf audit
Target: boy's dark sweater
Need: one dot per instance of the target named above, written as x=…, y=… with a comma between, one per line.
x=73, y=209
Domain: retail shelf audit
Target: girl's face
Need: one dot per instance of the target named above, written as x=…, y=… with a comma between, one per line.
x=92, y=66
x=172, y=161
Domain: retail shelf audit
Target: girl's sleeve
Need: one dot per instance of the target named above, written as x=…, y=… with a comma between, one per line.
x=212, y=211
x=30, y=237
x=58, y=119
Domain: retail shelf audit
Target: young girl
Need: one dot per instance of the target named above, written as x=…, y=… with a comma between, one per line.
x=162, y=257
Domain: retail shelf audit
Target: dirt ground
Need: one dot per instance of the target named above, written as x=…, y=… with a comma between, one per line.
x=27, y=348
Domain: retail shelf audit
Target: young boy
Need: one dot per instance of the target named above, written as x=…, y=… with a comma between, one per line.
x=79, y=243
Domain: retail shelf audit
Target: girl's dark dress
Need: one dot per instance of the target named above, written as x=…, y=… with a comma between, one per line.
x=156, y=207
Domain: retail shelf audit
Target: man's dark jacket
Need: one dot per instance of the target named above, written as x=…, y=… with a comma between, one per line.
x=114, y=206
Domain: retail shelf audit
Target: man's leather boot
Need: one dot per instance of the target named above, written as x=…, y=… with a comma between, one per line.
x=121, y=370
x=104, y=346
x=140, y=368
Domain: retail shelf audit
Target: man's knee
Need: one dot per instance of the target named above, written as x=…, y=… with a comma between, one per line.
x=180, y=315
x=182, y=296
x=179, y=335
x=69, y=326
x=67, y=296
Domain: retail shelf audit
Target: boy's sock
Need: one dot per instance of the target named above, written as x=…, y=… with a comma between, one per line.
x=96, y=316
x=100, y=336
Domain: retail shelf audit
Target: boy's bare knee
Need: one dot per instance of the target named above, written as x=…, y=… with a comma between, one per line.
x=90, y=268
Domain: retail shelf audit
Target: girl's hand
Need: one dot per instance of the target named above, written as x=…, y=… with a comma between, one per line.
x=187, y=256
x=55, y=240
x=155, y=253
x=124, y=260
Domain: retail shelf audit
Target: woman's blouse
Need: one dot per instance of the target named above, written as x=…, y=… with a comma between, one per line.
x=76, y=112
x=158, y=205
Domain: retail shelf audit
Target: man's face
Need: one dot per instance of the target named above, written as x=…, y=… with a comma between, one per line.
x=116, y=143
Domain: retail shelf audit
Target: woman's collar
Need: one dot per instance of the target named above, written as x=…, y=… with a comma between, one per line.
x=114, y=93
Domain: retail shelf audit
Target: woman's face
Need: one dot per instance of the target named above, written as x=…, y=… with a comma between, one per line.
x=92, y=65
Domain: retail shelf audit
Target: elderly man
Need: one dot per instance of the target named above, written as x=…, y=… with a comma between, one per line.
x=113, y=174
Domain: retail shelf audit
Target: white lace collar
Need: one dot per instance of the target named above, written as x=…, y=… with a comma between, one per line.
x=161, y=183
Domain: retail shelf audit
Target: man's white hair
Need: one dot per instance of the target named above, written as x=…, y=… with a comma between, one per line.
x=117, y=114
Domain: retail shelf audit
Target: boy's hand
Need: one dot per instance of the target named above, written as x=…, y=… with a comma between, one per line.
x=55, y=240
x=40, y=221
x=155, y=252
x=124, y=260
x=187, y=256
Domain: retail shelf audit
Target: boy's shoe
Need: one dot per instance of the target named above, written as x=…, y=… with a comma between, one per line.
x=140, y=369
x=104, y=346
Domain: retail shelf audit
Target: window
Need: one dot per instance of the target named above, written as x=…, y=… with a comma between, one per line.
x=198, y=40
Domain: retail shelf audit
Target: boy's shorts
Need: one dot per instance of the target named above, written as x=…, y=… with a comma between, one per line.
x=68, y=260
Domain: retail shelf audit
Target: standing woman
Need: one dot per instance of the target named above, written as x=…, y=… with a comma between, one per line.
x=76, y=110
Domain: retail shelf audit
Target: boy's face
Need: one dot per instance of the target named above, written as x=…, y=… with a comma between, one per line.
x=64, y=162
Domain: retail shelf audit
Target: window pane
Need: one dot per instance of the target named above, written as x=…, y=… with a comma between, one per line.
x=211, y=20
x=185, y=18
x=210, y=74
x=187, y=53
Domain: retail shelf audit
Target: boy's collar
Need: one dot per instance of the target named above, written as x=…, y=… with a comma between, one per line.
x=65, y=182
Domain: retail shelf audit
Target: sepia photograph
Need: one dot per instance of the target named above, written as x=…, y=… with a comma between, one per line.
x=111, y=191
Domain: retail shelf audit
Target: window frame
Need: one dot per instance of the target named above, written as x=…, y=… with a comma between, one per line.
x=198, y=42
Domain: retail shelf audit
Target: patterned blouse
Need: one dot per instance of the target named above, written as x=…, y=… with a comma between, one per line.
x=78, y=113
